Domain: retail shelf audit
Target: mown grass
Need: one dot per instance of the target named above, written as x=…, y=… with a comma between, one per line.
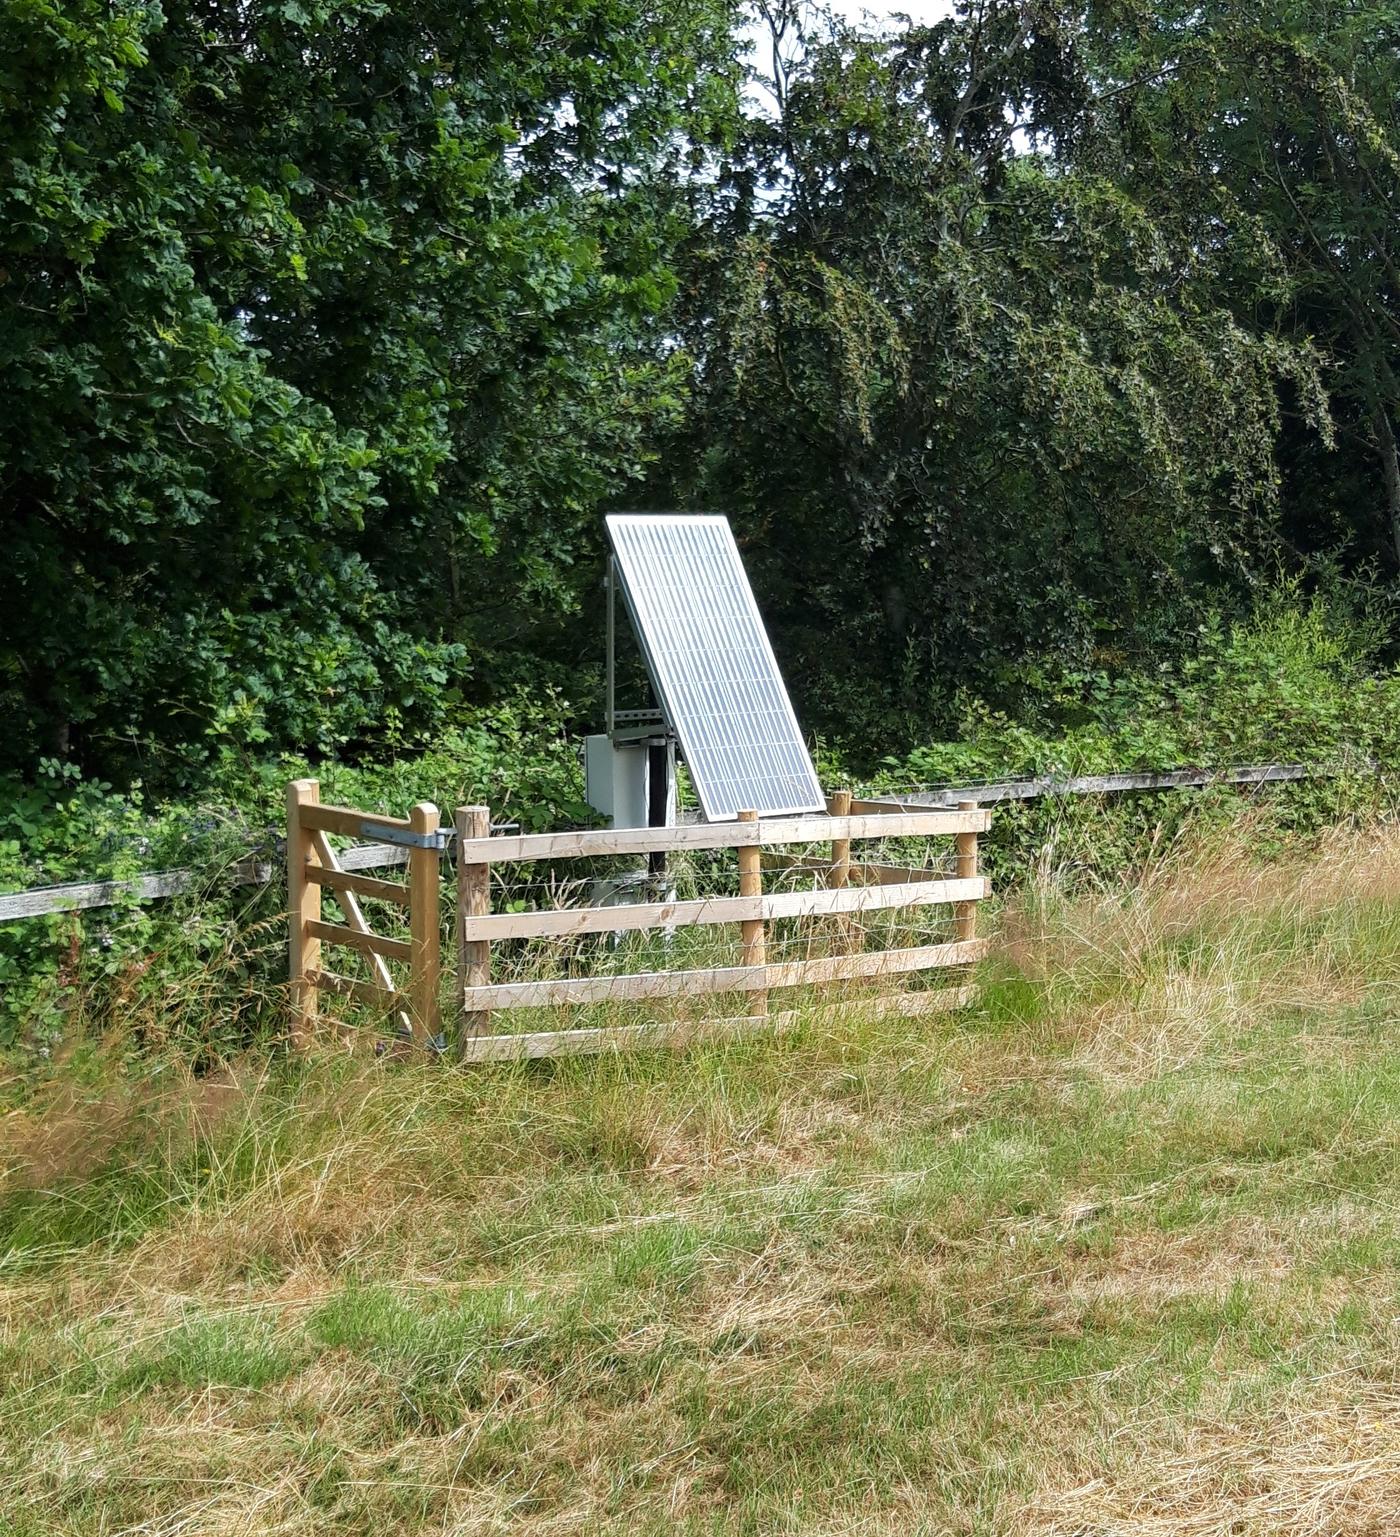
x=1115, y=1251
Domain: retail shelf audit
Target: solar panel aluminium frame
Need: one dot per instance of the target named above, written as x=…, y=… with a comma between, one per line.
x=720, y=796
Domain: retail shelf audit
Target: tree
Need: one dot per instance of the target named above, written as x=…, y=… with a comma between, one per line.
x=980, y=414
x=1270, y=132
x=326, y=324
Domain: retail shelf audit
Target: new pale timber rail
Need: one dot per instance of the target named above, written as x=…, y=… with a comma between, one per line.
x=723, y=979
x=673, y=1034
x=771, y=833
x=565, y=921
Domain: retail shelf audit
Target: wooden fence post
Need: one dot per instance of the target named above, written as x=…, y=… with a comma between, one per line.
x=965, y=913
x=838, y=804
x=303, y=907
x=425, y=939
x=754, y=930
x=473, y=901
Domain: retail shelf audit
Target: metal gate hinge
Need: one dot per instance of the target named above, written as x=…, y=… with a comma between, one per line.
x=405, y=837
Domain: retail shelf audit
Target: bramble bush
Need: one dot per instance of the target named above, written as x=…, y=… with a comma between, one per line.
x=61, y=828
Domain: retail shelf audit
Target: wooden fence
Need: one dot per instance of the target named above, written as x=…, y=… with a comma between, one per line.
x=81, y=896
x=843, y=888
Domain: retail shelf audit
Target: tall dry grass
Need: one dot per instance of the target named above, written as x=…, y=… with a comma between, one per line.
x=1115, y=1250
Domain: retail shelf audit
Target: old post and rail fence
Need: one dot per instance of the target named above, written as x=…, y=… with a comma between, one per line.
x=818, y=923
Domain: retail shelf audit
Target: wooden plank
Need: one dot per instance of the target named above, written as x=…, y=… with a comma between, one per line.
x=82, y=896
x=425, y=927
x=366, y=944
x=662, y=1036
x=719, y=835
x=965, y=913
x=350, y=823
x=912, y=802
x=353, y=884
x=674, y=1035
x=372, y=856
x=473, y=904
x=303, y=913
x=1096, y=784
x=753, y=933
x=721, y=979
x=369, y=993
x=355, y=919
x=565, y=922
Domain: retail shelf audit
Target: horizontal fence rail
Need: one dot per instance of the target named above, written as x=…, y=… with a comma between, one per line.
x=774, y=832
x=1104, y=784
x=722, y=979
x=82, y=896
x=667, y=1034
x=558, y=923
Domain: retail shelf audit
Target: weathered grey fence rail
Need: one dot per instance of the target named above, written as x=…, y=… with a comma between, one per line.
x=78, y=897
x=1106, y=784
x=168, y=883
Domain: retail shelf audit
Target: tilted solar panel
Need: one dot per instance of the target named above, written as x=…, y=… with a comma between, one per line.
x=714, y=672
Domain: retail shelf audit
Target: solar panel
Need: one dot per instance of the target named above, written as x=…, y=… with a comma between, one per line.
x=713, y=670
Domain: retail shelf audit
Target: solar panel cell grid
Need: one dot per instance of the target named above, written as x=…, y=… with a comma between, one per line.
x=711, y=664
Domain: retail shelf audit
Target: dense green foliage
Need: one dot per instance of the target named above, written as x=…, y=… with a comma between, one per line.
x=1269, y=135
x=61, y=828
x=981, y=407
x=1013, y=344
x=322, y=326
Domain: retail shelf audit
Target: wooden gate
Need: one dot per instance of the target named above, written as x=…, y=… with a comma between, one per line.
x=312, y=865
x=843, y=889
